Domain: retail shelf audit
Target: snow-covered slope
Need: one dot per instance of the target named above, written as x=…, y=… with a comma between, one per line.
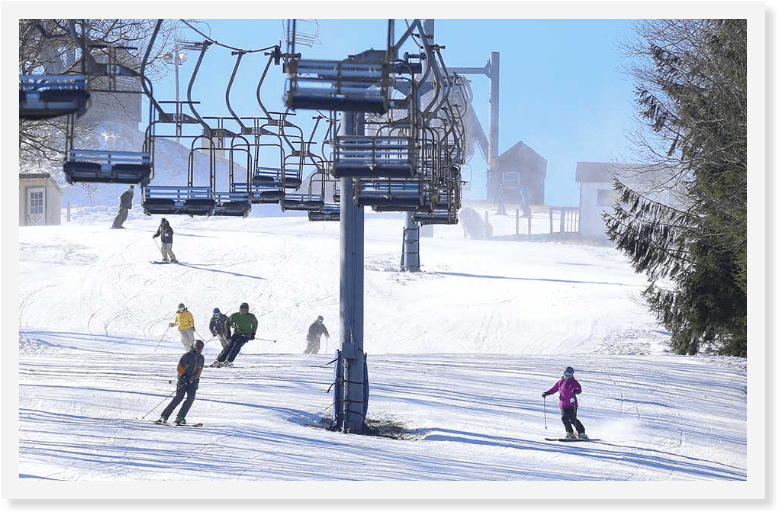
x=458, y=356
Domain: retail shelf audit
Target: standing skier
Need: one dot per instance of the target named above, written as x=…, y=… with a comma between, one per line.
x=189, y=374
x=568, y=387
x=125, y=203
x=242, y=325
x=218, y=325
x=313, y=336
x=186, y=326
x=166, y=235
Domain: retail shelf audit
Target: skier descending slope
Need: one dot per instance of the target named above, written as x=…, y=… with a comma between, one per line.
x=242, y=326
x=568, y=387
x=186, y=326
x=189, y=373
x=313, y=336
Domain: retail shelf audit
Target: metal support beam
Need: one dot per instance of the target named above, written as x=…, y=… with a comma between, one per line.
x=492, y=71
x=351, y=291
x=411, y=259
x=494, y=125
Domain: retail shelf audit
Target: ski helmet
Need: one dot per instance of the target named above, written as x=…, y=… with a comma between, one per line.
x=163, y=221
x=181, y=307
x=320, y=318
x=131, y=187
x=199, y=345
x=569, y=372
x=244, y=306
x=216, y=311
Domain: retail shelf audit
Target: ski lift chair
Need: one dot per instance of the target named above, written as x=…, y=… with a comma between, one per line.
x=187, y=200
x=346, y=85
x=392, y=195
x=101, y=166
x=232, y=204
x=49, y=96
x=327, y=213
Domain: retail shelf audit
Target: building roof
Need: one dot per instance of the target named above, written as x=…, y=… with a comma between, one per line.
x=524, y=157
x=40, y=175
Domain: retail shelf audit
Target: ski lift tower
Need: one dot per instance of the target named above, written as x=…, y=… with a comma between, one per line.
x=492, y=71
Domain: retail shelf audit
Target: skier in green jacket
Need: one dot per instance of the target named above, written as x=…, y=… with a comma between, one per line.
x=242, y=326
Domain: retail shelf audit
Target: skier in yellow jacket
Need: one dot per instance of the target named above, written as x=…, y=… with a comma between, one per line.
x=186, y=326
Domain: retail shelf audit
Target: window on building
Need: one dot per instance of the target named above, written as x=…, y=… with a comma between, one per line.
x=606, y=197
x=36, y=203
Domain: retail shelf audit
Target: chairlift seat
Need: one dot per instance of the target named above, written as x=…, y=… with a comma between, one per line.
x=435, y=217
x=374, y=156
x=235, y=203
x=306, y=202
x=348, y=85
x=263, y=193
x=99, y=166
x=290, y=179
x=187, y=200
x=49, y=96
x=392, y=196
x=328, y=213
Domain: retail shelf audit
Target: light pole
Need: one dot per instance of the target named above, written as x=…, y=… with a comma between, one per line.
x=177, y=58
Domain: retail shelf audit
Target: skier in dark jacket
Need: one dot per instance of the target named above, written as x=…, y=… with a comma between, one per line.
x=218, y=325
x=166, y=235
x=313, y=336
x=189, y=373
x=242, y=326
x=125, y=204
x=568, y=387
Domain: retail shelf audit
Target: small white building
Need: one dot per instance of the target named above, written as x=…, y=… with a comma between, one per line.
x=39, y=200
x=597, y=194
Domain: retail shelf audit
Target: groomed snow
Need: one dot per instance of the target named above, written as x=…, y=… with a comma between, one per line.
x=458, y=356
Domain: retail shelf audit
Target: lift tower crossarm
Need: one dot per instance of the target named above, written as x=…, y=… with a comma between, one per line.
x=486, y=70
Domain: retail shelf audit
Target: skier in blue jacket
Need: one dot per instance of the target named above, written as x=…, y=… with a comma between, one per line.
x=188, y=374
x=568, y=387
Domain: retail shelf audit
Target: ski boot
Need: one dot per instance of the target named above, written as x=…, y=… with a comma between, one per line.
x=217, y=363
x=162, y=421
x=180, y=421
x=570, y=435
x=582, y=435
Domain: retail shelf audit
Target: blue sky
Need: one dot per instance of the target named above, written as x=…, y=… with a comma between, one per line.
x=562, y=88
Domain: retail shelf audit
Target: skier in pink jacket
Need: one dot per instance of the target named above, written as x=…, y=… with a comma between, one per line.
x=568, y=387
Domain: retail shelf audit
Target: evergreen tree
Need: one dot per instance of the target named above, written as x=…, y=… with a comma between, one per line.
x=689, y=235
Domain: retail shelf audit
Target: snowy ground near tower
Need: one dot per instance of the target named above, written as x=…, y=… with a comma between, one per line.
x=458, y=356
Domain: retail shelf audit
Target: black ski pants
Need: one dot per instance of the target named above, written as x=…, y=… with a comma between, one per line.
x=569, y=418
x=182, y=388
x=228, y=354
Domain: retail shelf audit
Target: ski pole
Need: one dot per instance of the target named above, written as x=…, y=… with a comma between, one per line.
x=545, y=424
x=156, y=245
x=267, y=340
x=164, y=399
x=161, y=338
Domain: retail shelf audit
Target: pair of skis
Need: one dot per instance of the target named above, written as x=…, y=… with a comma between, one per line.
x=193, y=425
x=570, y=439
